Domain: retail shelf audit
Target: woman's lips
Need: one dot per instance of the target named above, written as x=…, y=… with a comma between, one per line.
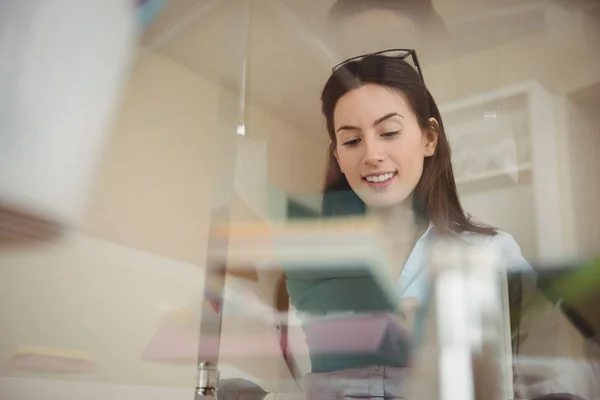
x=381, y=184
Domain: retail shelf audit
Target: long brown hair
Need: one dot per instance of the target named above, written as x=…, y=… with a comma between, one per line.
x=435, y=197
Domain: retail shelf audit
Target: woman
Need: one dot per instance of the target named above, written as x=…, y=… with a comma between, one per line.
x=389, y=157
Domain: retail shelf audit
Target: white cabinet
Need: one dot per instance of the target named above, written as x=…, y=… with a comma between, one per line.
x=504, y=153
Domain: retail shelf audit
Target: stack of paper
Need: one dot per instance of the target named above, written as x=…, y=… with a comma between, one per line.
x=323, y=249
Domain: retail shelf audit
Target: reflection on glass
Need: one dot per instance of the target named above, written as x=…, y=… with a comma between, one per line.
x=119, y=306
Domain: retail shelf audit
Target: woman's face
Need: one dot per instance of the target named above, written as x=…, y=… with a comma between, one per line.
x=380, y=146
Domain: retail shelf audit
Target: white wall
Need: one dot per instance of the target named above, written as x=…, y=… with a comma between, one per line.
x=26, y=389
x=92, y=295
x=153, y=191
x=583, y=144
x=509, y=208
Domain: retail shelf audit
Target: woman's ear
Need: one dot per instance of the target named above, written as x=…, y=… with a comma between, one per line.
x=431, y=137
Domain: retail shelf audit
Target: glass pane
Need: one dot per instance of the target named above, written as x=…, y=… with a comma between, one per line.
x=288, y=232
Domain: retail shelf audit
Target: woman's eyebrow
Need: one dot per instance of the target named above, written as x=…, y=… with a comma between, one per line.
x=377, y=122
x=387, y=116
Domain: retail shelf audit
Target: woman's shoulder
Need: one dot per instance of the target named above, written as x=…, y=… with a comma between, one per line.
x=503, y=242
x=501, y=238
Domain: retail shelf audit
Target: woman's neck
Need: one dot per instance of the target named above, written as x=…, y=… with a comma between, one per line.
x=399, y=222
x=401, y=229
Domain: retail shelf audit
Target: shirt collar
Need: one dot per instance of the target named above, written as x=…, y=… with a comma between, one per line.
x=427, y=232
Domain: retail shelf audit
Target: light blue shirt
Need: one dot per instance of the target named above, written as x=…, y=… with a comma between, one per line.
x=317, y=294
x=413, y=281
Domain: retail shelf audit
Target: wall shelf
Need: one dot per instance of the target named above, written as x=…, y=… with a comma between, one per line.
x=490, y=136
x=502, y=134
x=495, y=174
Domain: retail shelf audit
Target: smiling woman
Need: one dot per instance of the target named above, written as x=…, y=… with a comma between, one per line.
x=374, y=149
x=381, y=119
x=388, y=157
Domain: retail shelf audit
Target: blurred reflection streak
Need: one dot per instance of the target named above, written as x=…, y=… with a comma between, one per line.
x=55, y=106
x=192, y=16
x=236, y=39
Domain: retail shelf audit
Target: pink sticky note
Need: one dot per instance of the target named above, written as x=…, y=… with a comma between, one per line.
x=172, y=344
x=357, y=334
x=354, y=334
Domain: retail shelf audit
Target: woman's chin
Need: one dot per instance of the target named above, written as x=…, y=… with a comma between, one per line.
x=383, y=200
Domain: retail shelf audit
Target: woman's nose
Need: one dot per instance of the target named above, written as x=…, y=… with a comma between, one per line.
x=373, y=152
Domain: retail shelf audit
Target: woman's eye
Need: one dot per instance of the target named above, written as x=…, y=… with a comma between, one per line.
x=390, y=134
x=351, y=143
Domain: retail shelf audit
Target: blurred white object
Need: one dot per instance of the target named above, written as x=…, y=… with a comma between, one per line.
x=63, y=65
x=464, y=353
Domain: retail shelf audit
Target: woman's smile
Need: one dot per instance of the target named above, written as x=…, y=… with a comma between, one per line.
x=380, y=180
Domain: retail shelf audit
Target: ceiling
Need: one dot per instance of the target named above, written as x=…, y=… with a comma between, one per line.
x=291, y=44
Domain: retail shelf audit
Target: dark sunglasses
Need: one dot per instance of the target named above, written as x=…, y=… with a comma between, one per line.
x=402, y=54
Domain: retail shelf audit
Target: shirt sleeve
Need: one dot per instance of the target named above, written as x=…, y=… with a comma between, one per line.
x=513, y=257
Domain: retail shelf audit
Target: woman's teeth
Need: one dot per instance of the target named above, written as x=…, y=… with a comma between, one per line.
x=380, y=178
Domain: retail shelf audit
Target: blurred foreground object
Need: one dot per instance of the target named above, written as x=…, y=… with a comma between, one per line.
x=148, y=10
x=341, y=248
x=64, y=63
x=557, y=342
x=464, y=351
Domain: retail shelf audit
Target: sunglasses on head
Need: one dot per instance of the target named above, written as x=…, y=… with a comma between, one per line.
x=409, y=55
